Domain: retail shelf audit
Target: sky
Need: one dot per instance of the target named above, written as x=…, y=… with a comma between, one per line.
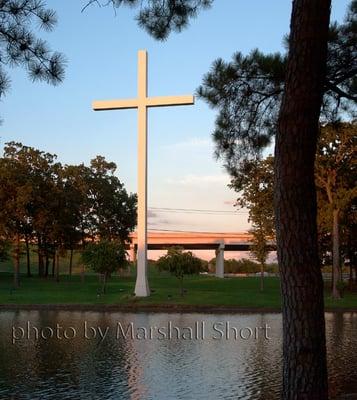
x=101, y=51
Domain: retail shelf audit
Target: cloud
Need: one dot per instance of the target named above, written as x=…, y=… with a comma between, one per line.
x=155, y=220
x=152, y=214
x=198, y=179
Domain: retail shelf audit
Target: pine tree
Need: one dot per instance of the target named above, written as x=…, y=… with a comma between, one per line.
x=19, y=45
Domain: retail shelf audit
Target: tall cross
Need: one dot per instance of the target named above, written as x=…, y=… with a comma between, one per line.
x=142, y=102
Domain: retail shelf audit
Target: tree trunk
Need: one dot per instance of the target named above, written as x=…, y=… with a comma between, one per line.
x=57, y=266
x=70, y=262
x=41, y=266
x=181, y=286
x=104, y=286
x=53, y=264
x=350, y=278
x=83, y=272
x=28, y=264
x=304, y=348
x=47, y=262
x=335, y=256
x=17, y=263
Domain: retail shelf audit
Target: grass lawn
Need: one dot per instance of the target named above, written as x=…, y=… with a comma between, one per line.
x=201, y=290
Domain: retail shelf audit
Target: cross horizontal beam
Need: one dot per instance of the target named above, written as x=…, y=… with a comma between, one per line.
x=114, y=104
x=160, y=101
x=163, y=101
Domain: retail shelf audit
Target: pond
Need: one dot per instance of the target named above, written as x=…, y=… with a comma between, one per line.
x=111, y=355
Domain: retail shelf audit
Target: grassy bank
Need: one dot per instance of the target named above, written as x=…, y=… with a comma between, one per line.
x=200, y=291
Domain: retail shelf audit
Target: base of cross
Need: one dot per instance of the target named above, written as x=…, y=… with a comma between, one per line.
x=142, y=287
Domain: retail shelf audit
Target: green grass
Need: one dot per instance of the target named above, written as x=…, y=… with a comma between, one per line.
x=201, y=290
x=7, y=266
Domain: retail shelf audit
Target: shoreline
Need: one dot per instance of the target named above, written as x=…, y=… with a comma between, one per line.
x=157, y=308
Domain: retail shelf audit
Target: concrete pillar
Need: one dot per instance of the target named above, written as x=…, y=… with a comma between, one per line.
x=132, y=253
x=220, y=261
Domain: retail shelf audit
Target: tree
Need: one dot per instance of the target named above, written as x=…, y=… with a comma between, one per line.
x=304, y=368
x=160, y=17
x=20, y=47
x=247, y=93
x=104, y=257
x=15, y=199
x=349, y=245
x=335, y=173
x=58, y=206
x=39, y=171
x=112, y=213
x=76, y=207
x=254, y=184
x=179, y=264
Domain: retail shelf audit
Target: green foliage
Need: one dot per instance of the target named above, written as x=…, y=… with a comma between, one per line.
x=335, y=172
x=179, y=263
x=19, y=46
x=247, y=93
x=254, y=184
x=335, y=169
x=160, y=17
x=4, y=250
x=112, y=211
x=244, y=266
x=104, y=257
x=59, y=207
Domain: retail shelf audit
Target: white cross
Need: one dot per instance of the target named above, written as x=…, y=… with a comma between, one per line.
x=142, y=102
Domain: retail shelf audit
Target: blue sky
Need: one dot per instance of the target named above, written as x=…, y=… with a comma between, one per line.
x=101, y=49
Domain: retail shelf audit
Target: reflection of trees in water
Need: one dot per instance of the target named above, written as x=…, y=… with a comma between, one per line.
x=18, y=362
x=103, y=367
x=266, y=358
x=138, y=369
x=172, y=367
x=341, y=331
x=78, y=366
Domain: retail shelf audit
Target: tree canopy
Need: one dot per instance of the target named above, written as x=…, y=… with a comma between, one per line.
x=335, y=177
x=59, y=206
x=104, y=257
x=247, y=92
x=179, y=263
x=160, y=17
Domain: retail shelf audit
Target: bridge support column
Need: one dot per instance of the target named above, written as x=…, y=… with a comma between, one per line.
x=132, y=253
x=220, y=261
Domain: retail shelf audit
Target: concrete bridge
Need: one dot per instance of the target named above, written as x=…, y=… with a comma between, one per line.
x=220, y=242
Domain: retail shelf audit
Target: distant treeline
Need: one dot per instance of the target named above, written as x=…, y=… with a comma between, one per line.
x=53, y=207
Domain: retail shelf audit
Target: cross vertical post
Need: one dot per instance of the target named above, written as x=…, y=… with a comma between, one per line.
x=142, y=285
x=142, y=102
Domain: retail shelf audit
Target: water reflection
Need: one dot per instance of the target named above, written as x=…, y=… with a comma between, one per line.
x=112, y=366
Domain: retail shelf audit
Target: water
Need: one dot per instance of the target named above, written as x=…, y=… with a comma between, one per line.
x=117, y=367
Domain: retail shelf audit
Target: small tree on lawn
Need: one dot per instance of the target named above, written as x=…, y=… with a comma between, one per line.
x=179, y=264
x=104, y=257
